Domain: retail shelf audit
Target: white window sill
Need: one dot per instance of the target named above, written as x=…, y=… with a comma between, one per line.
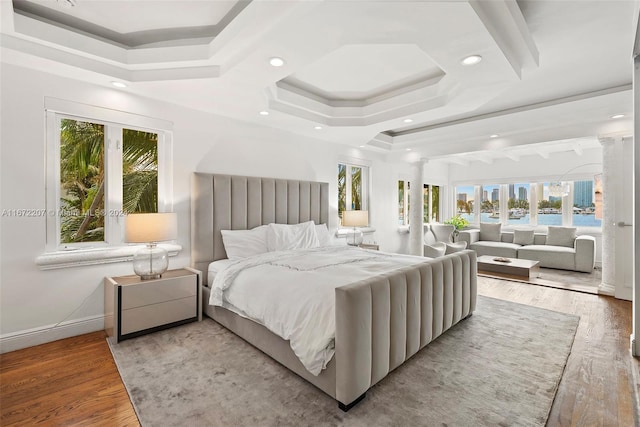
x=347, y=231
x=94, y=256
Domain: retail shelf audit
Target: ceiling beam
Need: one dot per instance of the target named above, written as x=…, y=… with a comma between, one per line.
x=513, y=156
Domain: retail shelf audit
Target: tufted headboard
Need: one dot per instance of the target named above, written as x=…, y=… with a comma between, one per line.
x=230, y=202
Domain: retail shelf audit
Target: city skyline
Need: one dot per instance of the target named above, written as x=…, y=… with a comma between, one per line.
x=583, y=195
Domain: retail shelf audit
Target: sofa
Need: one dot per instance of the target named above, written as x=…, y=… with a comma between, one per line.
x=559, y=248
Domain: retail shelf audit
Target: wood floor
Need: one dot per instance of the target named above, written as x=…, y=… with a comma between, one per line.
x=75, y=381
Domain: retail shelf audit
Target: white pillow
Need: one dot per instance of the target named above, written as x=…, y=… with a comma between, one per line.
x=490, y=232
x=561, y=236
x=523, y=237
x=245, y=243
x=282, y=237
x=324, y=237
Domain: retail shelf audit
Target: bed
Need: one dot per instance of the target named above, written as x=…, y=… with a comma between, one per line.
x=380, y=321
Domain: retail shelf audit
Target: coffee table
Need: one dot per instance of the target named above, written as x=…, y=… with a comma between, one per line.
x=514, y=268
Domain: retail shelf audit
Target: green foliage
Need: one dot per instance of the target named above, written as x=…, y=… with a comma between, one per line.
x=556, y=204
x=464, y=206
x=518, y=204
x=458, y=222
x=356, y=188
x=82, y=178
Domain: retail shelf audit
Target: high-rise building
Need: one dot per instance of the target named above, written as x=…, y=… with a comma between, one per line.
x=583, y=193
x=495, y=194
x=522, y=193
x=462, y=196
x=485, y=195
x=512, y=191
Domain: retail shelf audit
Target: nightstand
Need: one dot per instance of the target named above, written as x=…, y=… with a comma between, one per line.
x=369, y=246
x=135, y=307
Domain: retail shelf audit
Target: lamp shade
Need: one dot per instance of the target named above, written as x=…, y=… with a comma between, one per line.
x=151, y=227
x=355, y=218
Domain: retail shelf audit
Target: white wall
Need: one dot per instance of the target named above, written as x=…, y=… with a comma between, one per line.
x=534, y=168
x=33, y=302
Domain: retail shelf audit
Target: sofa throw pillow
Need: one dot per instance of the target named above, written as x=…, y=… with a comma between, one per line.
x=490, y=232
x=523, y=237
x=561, y=236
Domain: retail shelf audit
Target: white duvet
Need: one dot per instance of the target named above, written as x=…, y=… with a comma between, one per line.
x=292, y=292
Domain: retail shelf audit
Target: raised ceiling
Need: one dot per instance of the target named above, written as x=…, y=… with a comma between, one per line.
x=550, y=70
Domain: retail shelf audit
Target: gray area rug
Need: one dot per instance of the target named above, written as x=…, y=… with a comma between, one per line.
x=500, y=367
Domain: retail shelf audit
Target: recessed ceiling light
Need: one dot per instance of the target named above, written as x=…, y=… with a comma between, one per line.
x=407, y=120
x=362, y=146
x=317, y=127
x=276, y=61
x=118, y=84
x=617, y=116
x=264, y=113
x=495, y=135
x=408, y=149
x=471, y=60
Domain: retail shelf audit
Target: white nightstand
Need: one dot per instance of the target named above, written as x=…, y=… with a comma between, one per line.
x=135, y=307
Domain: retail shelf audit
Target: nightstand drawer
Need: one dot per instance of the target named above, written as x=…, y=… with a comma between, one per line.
x=149, y=316
x=158, y=291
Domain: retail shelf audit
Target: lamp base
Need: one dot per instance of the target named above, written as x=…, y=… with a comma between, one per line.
x=355, y=238
x=150, y=262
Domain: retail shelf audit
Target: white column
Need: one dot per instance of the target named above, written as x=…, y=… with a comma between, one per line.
x=533, y=204
x=416, y=209
x=477, y=203
x=607, y=287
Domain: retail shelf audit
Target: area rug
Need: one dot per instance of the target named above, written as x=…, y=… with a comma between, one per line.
x=560, y=279
x=500, y=367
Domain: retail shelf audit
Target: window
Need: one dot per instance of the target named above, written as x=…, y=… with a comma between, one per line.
x=431, y=202
x=584, y=206
x=549, y=207
x=518, y=204
x=530, y=204
x=352, y=187
x=104, y=164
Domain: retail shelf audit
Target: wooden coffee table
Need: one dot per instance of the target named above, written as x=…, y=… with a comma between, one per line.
x=514, y=268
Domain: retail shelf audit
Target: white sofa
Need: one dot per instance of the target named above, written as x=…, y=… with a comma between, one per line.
x=559, y=248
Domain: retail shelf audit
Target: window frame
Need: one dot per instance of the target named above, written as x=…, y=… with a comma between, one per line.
x=536, y=194
x=364, y=180
x=428, y=212
x=114, y=122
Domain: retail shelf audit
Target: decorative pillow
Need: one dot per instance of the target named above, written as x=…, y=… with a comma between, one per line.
x=490, y=232
x=561, y=236
x=523, y=237
x=324, y=237
x=282, y=237
x=245, y=243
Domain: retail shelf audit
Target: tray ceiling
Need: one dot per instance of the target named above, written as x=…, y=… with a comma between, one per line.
x=385, y=75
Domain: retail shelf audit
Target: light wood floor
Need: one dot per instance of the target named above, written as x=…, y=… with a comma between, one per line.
x=75, y=381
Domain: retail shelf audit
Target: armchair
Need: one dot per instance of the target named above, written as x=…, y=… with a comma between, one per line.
x=438, y=237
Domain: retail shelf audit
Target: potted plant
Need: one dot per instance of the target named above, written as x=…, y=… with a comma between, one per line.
x=459, y=223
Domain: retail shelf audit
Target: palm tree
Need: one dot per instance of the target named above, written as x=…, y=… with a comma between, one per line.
x=82, y=181
x=82, y=176
x=140, y=171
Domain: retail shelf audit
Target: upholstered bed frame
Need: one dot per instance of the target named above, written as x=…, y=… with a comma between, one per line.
x=380, y=322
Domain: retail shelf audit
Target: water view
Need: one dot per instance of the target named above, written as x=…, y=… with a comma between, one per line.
x=579, y=220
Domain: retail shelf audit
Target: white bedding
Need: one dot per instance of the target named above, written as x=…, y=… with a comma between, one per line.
x=292, y=292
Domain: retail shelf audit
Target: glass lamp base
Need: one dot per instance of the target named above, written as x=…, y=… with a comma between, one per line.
x=355, y=238
x=150, y=262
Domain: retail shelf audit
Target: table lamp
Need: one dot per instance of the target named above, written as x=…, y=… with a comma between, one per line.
x=355, y=219
x=151, y=261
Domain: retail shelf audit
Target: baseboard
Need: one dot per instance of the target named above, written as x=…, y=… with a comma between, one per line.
x=606, y=289
x=45, y=334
